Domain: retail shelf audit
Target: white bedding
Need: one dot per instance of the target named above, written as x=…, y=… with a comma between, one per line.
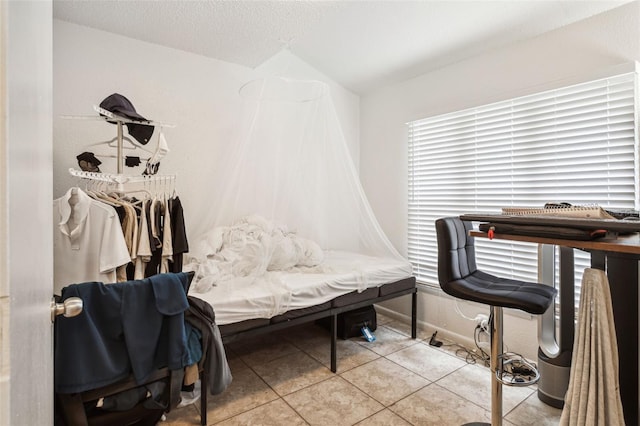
x=276, y=292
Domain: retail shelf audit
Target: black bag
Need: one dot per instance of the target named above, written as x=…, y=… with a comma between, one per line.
x=350, y=323
x=561, y=232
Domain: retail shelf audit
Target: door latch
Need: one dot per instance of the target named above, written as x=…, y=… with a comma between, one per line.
x=69, y=308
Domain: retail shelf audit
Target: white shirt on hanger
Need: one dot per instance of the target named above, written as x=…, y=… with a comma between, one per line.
x=88, y=242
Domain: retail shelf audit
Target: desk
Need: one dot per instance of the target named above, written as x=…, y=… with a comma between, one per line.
x=620, y=255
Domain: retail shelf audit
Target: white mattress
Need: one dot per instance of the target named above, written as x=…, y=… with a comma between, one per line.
x=278, y=292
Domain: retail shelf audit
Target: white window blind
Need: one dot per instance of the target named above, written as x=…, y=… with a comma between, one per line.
x=577, y=144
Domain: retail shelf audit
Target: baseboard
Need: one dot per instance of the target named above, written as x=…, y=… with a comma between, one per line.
x=425, y=329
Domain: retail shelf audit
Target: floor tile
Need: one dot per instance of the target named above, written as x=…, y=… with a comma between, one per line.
x=333, y=402
x=435, y=405
x=284, y=378
x=426, y=361
x=384, y=418
x=532, y=412
x=185, y=416
x=388, y=341
x=316, y=341
x=385, y=381
x=276, y=413
x=292, y=372
x=349, y=354
x=247, y=391
x=398, y=326
x=473, y=382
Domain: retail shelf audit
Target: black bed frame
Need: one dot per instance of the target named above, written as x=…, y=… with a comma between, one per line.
x=332, y=312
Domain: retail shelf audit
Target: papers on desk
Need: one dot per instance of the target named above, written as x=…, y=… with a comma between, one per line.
x=585, y=212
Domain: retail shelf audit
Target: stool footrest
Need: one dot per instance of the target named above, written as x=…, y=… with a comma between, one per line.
x=517, y=372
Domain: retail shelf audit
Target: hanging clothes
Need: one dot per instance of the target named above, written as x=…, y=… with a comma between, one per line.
x=162, y=238
x=129, y=223
x=153, y=243
x=178, y=234
x=155, y=223
x=144, y=245
x=88, y=241
x=593, y=395
x=167, y=241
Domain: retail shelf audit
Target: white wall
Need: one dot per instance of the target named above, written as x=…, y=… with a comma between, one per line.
x=559, y=57
x=197, y=94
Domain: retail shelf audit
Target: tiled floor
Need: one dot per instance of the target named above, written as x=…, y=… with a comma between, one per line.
x=284, y=379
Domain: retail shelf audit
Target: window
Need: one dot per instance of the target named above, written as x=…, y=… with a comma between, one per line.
x=577, y=144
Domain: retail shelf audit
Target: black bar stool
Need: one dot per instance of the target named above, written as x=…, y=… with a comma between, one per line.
x=459, y=277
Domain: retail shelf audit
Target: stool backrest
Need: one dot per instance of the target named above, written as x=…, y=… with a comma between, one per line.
x=456, y=250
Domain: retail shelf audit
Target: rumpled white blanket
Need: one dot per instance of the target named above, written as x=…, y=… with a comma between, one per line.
x=250, y=248
x=593, y=396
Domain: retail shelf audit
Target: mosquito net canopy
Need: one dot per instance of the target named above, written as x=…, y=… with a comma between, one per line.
x=291, y=166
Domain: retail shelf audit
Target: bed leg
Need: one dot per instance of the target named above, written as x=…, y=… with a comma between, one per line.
x=334, y=342
x=414, y=314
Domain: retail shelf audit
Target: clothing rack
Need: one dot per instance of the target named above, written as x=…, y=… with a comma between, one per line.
x=119, y=121
x=127, y=184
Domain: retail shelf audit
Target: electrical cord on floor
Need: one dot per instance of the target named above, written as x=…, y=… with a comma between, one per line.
x=470, y=356
x=517, y=368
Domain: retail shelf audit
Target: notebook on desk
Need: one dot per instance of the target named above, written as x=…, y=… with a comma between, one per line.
x=563, y=209
x=589, y=217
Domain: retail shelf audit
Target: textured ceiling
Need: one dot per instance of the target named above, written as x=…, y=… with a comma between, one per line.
x=362, y=44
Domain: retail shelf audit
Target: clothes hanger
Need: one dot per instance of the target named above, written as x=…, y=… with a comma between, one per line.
x=124, y=197
x=100, y=196
x=96, y=190
x=113, y=143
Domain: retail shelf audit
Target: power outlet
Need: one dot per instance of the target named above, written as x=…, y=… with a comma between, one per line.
x=482, y=321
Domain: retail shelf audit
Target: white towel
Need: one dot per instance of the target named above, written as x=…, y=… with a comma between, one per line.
x=593, y=396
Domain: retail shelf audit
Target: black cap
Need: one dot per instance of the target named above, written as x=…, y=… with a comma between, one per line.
x=120, y=105
x=88, y=162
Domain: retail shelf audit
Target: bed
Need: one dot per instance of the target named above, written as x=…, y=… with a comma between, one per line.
x=271, y=299
x=250, y=306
